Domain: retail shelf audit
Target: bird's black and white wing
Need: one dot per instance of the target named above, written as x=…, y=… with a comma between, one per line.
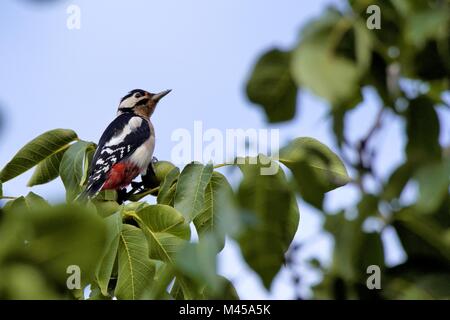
x=123, y=139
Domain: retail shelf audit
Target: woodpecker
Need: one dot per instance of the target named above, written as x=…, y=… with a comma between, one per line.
x=126, y=147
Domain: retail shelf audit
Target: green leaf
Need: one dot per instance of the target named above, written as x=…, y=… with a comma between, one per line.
x=1, y=189
x=270, y=218
x=136, y=270
x=47, y=170
x=96, y=293
x=423, y=131
x=197, y=261
x=190, y=192
x=397, y=181
x=167, y=190
x=56, y=238
x=433, y=182
x=28, y=203
x=107, y=195
x=363, y=45
x=25, y=282
x=40, y=148
x=354, y=250
x=165, y=229
x=226, y=291
x=315, y=167
x=113, y=225
x=425, y=25
x=218, y=210
x=421, y=235
x=87, y=163
x=317, y=67
x=72, y=168
x=271, y=86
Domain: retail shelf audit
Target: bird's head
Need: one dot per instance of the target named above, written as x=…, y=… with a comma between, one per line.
x=140, y=102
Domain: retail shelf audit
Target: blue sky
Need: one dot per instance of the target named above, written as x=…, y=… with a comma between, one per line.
x=52, y=77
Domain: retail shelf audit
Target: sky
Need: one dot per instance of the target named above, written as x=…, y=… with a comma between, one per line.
x=53, y=77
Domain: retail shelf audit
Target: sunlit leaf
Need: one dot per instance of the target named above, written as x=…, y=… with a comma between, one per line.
x=40, y=148
x=218, y=210
x=316, y=168
x=165, y=229
x=167, y=190
x=190, y=192
x=270, y=218
x=72, y=168
x=136, y=270
x=47, y=170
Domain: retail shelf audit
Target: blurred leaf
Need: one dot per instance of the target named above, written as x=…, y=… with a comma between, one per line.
x=136, y=270
x=421, y=235
x=226, y=292
x=426, y=287
x=167, y=190
x=424, y=25
x=423, y=131
x=55, y=238
x=73, y=166
x=107, y=259
x=429, y=63
x=190, y=192
x=1, y=189
x=315, y=167
x=270, y=218
x=87, y=163
x=317, y=64
x=165, y=229
x=271, y=86
x=23, y=282
x=433, y=182
x=47, y=170
x=163, y=278
x=363, y=45
x=107, y=195
x=397, y=181
x=218, y=209
x=40, y=148
x=197, y=261
x=354, y=250
x=417, y=279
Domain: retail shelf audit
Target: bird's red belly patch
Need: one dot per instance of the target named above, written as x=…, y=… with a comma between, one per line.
x=121, y=175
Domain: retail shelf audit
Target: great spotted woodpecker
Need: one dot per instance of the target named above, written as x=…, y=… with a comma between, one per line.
x=126, y=146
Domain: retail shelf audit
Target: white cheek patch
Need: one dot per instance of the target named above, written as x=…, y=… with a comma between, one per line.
x=132, y=125
x=129, y=102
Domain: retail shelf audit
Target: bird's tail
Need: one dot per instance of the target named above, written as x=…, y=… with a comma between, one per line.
x=91, y=191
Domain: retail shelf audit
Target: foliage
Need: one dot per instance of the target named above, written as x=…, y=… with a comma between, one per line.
x=139, y=250
x=406, y=63
x=143, y=249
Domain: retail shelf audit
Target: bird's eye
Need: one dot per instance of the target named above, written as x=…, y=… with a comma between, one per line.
x=137, y=95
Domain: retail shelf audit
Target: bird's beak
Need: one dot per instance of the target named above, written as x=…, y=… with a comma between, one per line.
x=160, y=95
